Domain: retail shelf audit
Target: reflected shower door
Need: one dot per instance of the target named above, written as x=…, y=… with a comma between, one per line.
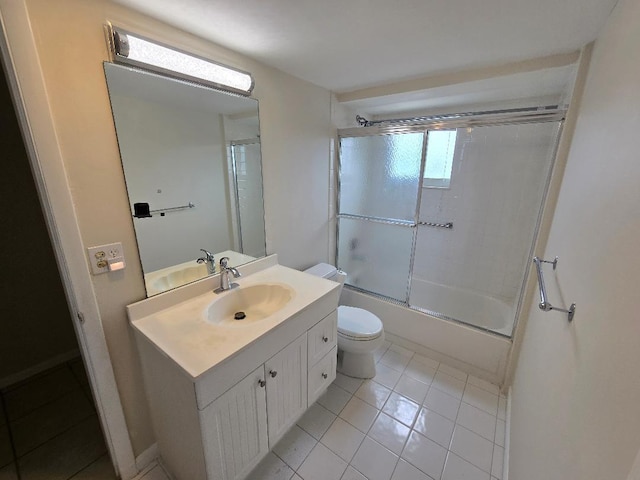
x=474, y=272
x=247, y=177
x=377, y=210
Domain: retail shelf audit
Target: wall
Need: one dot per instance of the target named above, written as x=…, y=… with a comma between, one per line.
x=32, y=333
x=576, y=391
x=295, y=124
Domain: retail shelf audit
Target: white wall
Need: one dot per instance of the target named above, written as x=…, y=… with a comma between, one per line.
x=576, y=394
x=296, y=141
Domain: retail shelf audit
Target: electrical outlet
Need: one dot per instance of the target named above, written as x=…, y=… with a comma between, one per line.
x=105, y=258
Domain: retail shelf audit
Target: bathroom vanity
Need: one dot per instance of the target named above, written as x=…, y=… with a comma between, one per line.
x=221, y=391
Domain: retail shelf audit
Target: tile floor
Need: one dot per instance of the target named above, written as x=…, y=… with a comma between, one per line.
x=416, y=420
x=49, y=428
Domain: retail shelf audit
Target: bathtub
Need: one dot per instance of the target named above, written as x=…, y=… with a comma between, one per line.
x=464, y=305
x=470, y=349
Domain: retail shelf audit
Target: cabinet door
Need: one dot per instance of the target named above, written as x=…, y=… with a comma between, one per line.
x=235, y=429
x=286, y=374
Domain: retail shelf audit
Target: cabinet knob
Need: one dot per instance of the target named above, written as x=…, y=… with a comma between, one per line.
x=325, y=339
x=324, y=375
x=262, y=383
x=273, y=373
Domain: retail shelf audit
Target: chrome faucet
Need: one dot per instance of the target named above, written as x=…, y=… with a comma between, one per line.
x=209, y=260
x=225, y=270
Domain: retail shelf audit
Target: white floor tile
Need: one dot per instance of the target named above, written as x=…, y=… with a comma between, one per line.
x=457, y=468
x=394, y=347
x=497, y=463
x=294, y=447
x=390, y=433
x=316, y=420
x=411, y=388
x=296, y=477
x=359, y=414
x=374, y=461
x=322, y=464
x=425, y=454
x=343, y=439
x=442, y=403
x=352, y=474
x=401, y=408
x=334, y=399
x=429, y=362
x=476, y=420
x=420, y=371
x=395, y=360
x=500, y=433
x=373, y=393
x=349, y=384
x=483, y=384
x=454, y=372
x=386, y=375
x=472, y=447
x=448, y=384
x=405, y=471
x=481, y=399
x=434, y=426
x=270, y=468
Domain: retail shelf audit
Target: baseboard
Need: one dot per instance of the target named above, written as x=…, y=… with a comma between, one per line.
x=507, y=438
x=39, y=368
x=147, y=458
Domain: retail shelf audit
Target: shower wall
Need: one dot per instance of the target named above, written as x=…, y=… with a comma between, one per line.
x=497, y=184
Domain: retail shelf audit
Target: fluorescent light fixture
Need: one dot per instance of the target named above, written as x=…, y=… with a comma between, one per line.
x=135, y=50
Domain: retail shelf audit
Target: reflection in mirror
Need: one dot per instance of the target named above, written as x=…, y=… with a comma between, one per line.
x=192, y=164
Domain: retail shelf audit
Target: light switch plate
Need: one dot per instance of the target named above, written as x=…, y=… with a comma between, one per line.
x=101, y=256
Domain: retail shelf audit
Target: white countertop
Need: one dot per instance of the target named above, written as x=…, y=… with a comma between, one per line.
x=182, y=333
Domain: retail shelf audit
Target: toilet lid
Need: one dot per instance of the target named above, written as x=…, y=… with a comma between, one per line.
x=358, y=323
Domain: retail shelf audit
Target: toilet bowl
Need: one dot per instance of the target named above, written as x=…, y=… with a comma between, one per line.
x=360, y=332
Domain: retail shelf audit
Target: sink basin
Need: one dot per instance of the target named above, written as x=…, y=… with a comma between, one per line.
x=256, y=302
x=180, y=277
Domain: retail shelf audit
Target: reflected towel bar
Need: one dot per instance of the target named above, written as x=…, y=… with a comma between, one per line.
x=439, y=225
x=544, y=303
x=170, y=209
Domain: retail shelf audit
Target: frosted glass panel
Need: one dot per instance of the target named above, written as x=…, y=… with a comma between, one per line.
x=379, y=175
x=474, y=272
x=376, y=256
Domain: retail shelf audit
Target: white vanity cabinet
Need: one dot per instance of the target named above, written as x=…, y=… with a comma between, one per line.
x=235, y=430
x=221, y=396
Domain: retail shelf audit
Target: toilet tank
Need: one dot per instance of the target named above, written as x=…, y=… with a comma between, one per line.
x=329, y=272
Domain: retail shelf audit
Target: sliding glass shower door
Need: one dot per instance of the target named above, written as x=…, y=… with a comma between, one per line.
x=443, y=219
x=377, y=210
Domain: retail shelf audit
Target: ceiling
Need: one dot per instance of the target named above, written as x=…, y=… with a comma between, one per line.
x=347, y=45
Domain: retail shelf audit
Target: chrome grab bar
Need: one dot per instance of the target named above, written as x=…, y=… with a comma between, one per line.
x=544, y=302
x=439, y=225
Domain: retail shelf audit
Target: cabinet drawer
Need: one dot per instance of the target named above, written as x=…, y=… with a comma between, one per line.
x=322, y=337
x=322, y=374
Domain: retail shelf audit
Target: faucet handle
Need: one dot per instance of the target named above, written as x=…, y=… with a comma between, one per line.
x=223, y=262
x=208, y=255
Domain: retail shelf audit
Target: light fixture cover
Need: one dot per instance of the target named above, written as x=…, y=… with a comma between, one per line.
x=135, y=50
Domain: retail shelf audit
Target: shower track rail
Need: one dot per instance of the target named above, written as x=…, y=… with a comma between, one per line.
x=544, y=302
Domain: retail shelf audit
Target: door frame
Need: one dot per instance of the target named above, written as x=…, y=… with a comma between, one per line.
x=28, y=90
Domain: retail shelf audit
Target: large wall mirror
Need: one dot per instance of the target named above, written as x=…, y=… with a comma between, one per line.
x=192, y=164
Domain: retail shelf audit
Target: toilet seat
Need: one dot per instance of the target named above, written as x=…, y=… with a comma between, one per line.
x=358, y=324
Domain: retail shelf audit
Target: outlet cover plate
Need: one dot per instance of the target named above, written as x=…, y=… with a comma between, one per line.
x=102, y=255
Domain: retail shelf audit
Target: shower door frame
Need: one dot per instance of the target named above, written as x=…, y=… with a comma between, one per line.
x=450, y=122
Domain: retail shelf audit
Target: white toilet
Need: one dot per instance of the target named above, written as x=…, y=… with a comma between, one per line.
x=360, y=332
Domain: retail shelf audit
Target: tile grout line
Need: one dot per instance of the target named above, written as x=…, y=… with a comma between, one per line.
x=14, y=453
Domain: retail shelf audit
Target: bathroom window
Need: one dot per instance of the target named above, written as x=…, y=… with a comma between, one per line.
x=441, y=147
